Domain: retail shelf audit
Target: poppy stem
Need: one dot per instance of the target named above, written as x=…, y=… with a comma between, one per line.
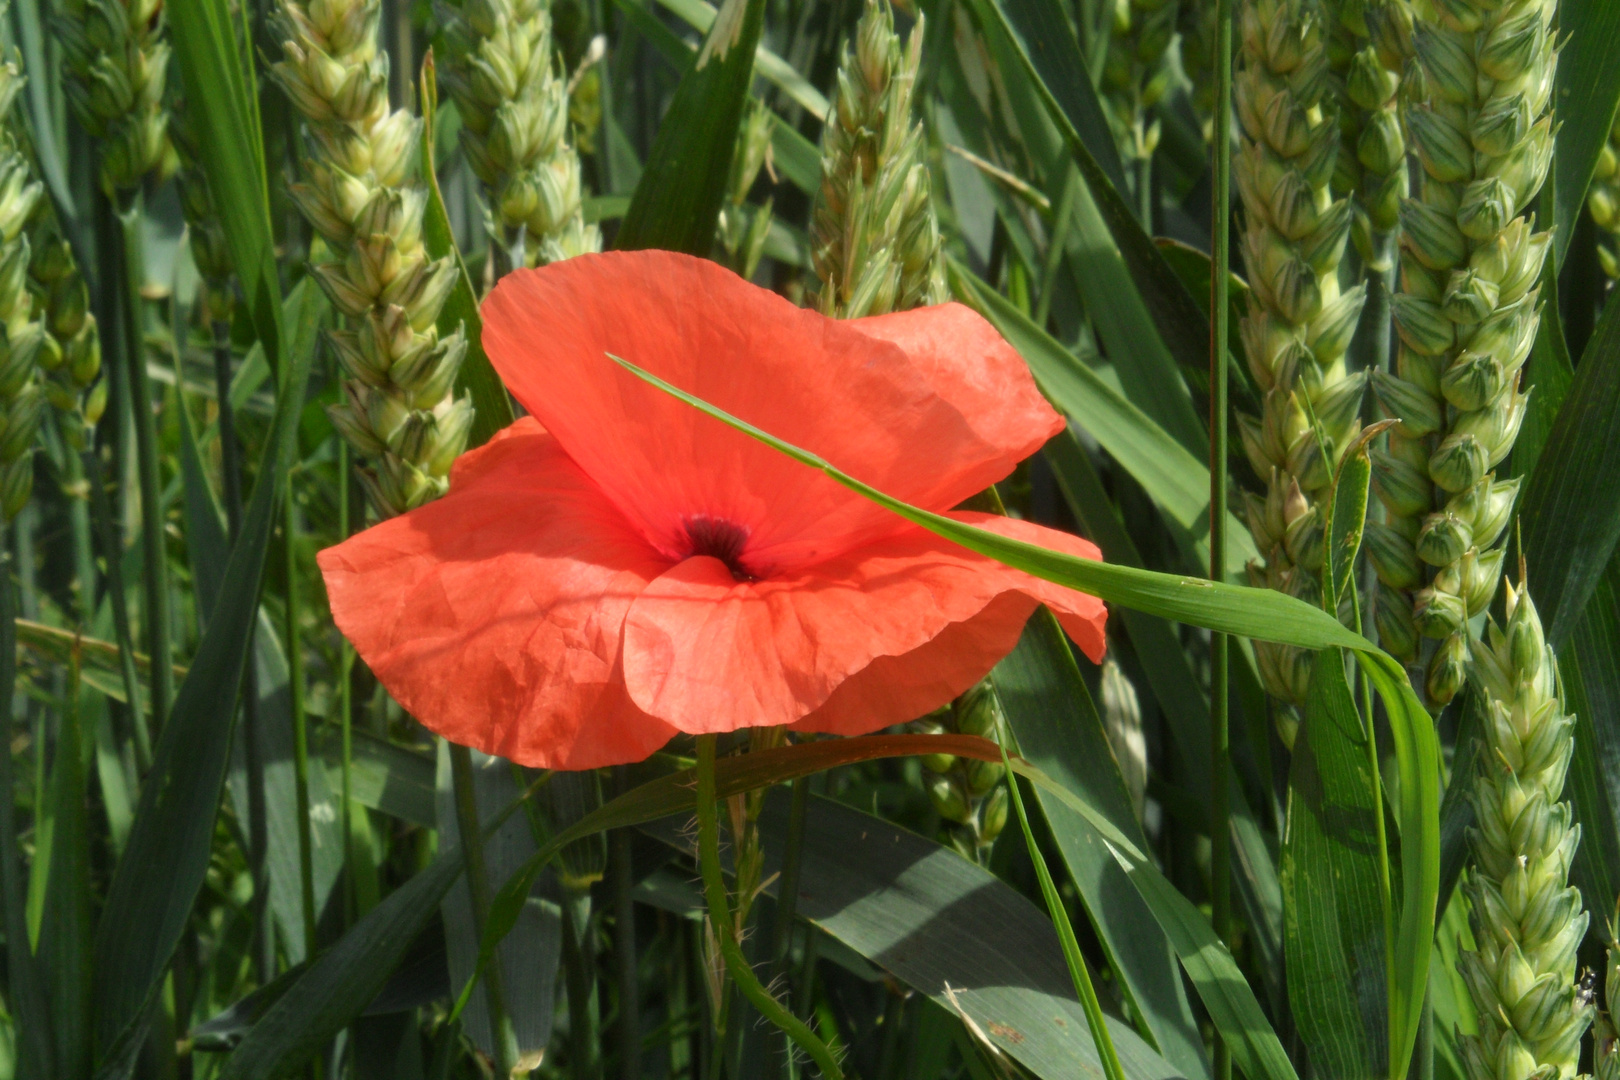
x=714, y=892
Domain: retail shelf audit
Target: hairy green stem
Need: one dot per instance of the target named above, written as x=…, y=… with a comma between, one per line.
x=714, y=892
x=153, y=548
x=472, y=854
x=624, y=943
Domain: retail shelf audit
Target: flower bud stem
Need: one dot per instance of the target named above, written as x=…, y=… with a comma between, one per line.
x=720, y=917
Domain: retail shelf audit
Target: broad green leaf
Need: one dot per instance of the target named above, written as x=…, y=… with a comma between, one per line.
x=1255, y=613
x=1176, y=480
x=383, y=776
x=1331, y=885
x=678, y=199
x=477, y=377
x=1192, y=267
x=1119, y=318
x=945, y=927
x=66, y=920
x=1173, y=681
x=154, y=887
x=342, y=980
x=1185, y=328
x=276, y=757
x=223, y=98
x=1586, y=93
x=1221, y=986
x=1057, y=729
x=699, y=14
x=1592, y=691
x=530, y=954
x=1041, y=28
x=1570, y=515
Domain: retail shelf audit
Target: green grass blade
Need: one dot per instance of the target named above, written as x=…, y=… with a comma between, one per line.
x=1174, y=310
x=1337, y=984
x=150, y=897
x=1570, y=514
x=1587, y=91
x=1041, y=27
x=1173, y=477
x=677, y=202
x=699, y=14
x=1175, y=683
x=477, y=377
x=1057, y=729
x=1065, y=931
x=66, y=921
x=222, y=96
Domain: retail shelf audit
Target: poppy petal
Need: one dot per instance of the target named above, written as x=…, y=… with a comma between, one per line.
x=494, y=614
x=894, y=689
x=708, y=653
x=826, y=385
x=970, y=365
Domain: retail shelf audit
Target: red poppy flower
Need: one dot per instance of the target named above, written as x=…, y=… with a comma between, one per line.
x=617, y=567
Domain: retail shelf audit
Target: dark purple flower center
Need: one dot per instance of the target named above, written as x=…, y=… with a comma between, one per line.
x=719, y=539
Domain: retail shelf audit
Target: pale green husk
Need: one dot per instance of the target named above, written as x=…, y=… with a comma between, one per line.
x=1136, y=73
x=1527, y=918
x=503, y=77
x=1467, y=314
x=1604, y=201
x=24, y=345
x=362, y=193
x=874, y=237
x=117, y=61
x=1299, y=322
x=1371, y=46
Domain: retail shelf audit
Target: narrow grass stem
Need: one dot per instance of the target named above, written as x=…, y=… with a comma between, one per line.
x=153, y=546
x=345, y=703
x=295, y=686
x=1220, y=735
x=714, y=893
x=472, y=854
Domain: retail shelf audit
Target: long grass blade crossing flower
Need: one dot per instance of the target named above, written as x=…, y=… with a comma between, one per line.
x=874, y=238
x=1467, y=315
x=362, y=194
x=1299, y=323
x=1527, y=918
x=504, y=78
x=615, y=568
